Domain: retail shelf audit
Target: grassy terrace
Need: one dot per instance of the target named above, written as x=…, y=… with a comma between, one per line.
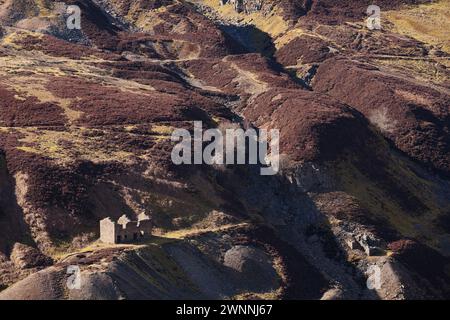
x=428, y=23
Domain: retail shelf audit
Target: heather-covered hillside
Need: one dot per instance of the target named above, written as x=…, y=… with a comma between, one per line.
x=86, y=118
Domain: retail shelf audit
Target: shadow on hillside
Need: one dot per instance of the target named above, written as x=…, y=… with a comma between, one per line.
x=249, y=39
x=292, y=218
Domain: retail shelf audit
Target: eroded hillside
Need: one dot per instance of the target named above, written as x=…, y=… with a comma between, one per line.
x=85, y=123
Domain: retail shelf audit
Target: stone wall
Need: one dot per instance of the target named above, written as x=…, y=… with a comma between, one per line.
x=108, y=231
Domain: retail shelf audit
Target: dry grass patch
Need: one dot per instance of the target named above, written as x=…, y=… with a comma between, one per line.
x=428, y=23
x=65, y=146
x=420, y=69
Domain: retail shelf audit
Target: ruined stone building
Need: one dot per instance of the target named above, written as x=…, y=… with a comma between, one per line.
x=125, y=230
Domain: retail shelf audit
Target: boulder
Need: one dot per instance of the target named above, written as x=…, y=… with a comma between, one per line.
x=333, y=294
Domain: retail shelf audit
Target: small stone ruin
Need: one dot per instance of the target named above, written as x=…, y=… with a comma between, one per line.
x=124, y=230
